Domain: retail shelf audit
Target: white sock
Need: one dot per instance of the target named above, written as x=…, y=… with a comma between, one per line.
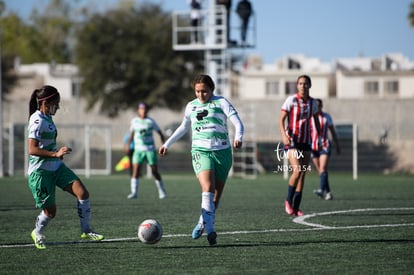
x=134, y=185
x=41, y=222
x=207, y=211
x=161, y=190
x=84, y=212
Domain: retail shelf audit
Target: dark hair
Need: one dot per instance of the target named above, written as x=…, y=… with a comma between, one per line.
x=143, y=104
x=307, y=77
x=46, y=93
x=206, y=79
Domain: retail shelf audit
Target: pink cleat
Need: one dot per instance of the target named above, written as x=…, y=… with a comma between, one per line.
x=288, y=208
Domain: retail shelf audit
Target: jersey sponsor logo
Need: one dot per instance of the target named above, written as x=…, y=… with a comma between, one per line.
x=201, y=128
x=201, y=115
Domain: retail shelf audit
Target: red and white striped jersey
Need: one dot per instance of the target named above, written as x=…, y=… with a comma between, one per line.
x=325, y=122
x=300, y=112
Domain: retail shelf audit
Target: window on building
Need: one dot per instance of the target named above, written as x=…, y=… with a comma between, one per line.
x=290, y=88
x=371, y=88
x=293, y=64
x=272, y=88
x=391, y=88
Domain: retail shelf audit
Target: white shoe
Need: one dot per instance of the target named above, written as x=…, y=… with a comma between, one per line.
x=161, y=193
x=132, y=196
x=328, y=196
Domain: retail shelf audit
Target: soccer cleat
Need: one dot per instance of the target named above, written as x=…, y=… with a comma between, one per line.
x=328, y=196
x=288, y=208
x=39, y=240
x=93, y=236
x=318, y=193
x=132, y=196
x=198, y=231
x=298, y=213
x=212, y=238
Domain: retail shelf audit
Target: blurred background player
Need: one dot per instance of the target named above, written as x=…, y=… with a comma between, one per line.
x=141, y=132
x=130, y=152
x=195, y=18
x=244, y=10
x=321, y=150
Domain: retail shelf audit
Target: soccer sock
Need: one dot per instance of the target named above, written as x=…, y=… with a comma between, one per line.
x=160, y=186
x=207, y=211
x=297, y=198
x=134, y=185
x=291, y=192
x=324, y=182
x=41, y=222
x=84, y=213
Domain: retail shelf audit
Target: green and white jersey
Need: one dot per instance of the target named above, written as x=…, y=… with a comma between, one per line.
x=143, y=133
x=42, y=128
x=209, y=123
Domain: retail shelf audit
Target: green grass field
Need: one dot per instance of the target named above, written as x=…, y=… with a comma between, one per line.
x=367, y=229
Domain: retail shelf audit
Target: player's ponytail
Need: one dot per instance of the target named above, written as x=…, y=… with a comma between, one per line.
x=46, y=93
x=33, y=106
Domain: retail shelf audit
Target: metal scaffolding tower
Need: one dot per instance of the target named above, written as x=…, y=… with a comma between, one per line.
x=212, y=34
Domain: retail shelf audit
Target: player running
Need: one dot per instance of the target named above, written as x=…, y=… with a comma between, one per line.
x=141, y=130
x=46, y=169
x=211, y=148
x=322, y=151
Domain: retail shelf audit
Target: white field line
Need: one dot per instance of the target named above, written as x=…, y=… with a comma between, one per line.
x=298, y=220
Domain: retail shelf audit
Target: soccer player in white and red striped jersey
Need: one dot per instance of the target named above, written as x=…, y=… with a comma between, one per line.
x=298, y=111
x=322, y=151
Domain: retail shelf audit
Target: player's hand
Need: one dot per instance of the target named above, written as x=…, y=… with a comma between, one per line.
x=63, y=151
x=286, y=140
x=237, y=144
x=319, y=142
x=163, y=151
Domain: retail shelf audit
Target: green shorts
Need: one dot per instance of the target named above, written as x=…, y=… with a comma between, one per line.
x=149, y=156
x=220, y=161
x=43, y=184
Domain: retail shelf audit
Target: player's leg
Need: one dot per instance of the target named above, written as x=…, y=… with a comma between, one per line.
x=324, y=158
x=42, y=186
x=203, y=166
x=316, y=163
x=134, y=181
x=302, y=168
x=293, y=180
x=207, y=184
x=69, y=182
x=153, y=161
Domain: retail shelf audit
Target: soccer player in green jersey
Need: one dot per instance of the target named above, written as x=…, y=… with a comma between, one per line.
x=46, y=169
x=141, y=130
x=211, y=148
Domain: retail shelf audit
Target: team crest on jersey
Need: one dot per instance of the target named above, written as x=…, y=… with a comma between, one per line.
x=212, y=105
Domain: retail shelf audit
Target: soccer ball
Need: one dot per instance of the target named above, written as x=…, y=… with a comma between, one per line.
x=150, y=231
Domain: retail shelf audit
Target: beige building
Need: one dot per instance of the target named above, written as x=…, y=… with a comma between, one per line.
x=377, y=94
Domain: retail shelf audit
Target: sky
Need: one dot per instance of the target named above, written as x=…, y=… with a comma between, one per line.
x=324, y=29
